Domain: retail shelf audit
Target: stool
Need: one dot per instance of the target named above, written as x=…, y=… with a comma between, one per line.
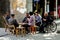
x=22, y=30
x=33, y=29
x=11, y=28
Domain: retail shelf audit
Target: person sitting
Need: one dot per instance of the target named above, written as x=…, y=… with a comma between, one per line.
x=38, y=19
x=13, y=21
x=44, y=22
x=7, y=16
x=25, y=18
x=26, y=21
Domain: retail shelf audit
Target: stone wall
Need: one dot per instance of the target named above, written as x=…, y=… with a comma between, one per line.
x=19, y=16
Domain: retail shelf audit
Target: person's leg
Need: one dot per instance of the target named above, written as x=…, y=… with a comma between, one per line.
x=26, y=27
x=15, y=23
x=41, y=29
x=38, y=24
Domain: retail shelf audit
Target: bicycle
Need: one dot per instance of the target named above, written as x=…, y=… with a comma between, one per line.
x=51, y=27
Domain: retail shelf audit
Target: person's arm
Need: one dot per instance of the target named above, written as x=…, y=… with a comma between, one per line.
x=44, y=19
x=24, y=19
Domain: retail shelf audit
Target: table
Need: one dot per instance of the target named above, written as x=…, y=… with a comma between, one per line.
x=21, y=29
x=22, y=23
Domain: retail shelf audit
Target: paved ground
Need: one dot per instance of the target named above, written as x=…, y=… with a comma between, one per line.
x=48, y=36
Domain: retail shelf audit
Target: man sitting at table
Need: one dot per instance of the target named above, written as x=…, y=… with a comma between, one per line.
x=26, y=21
x=12, y=21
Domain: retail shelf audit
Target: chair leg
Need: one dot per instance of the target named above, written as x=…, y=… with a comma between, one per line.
x=22, y=32
x=5, y=27
x=30, y=30
x=35, y=29
x=16, y=32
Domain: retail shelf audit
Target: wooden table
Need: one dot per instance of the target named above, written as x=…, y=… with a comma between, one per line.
x=21, y=29
x=22, y=23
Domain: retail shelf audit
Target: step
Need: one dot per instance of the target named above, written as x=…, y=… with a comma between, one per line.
x=57, y=21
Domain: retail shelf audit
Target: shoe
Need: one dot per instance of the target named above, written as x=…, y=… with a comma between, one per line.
x=40, y=31
x=43, y=32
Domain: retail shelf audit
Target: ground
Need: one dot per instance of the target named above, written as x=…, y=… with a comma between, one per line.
x=47, y=36
x=32, y=37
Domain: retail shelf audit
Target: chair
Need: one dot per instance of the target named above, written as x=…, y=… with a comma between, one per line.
x=33, y=29
x=7, y=26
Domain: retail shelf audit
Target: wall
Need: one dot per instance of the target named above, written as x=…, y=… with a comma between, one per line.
x=29, y=5
x=18, y=15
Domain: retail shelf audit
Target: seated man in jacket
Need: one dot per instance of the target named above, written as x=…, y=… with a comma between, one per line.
x=12, y=21
x=44, y=22
x=26, y=21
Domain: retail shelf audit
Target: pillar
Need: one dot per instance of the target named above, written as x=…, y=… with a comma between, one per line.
x=29, y=5
x=56, y=9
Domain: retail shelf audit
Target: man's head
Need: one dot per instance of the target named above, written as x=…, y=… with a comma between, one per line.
x=36, y=13
x=12, y=15
x=7, y=13
x=31, y=13
x=27, y=14
x=45, y=14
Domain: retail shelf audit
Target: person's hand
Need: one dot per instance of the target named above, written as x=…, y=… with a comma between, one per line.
x=44, y=19
x=28, y=19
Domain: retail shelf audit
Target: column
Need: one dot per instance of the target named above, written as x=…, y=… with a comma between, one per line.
x=11, y=8
x=56, y=9
x=29, y=5
x=45, y=5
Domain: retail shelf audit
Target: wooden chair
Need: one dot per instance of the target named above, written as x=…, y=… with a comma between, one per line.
x=7, y=26
x=33, y=29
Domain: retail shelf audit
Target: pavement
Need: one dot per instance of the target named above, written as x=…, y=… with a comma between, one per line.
x=40, y=36
x=47, y=36
x=57, y=21
x=58, y=24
